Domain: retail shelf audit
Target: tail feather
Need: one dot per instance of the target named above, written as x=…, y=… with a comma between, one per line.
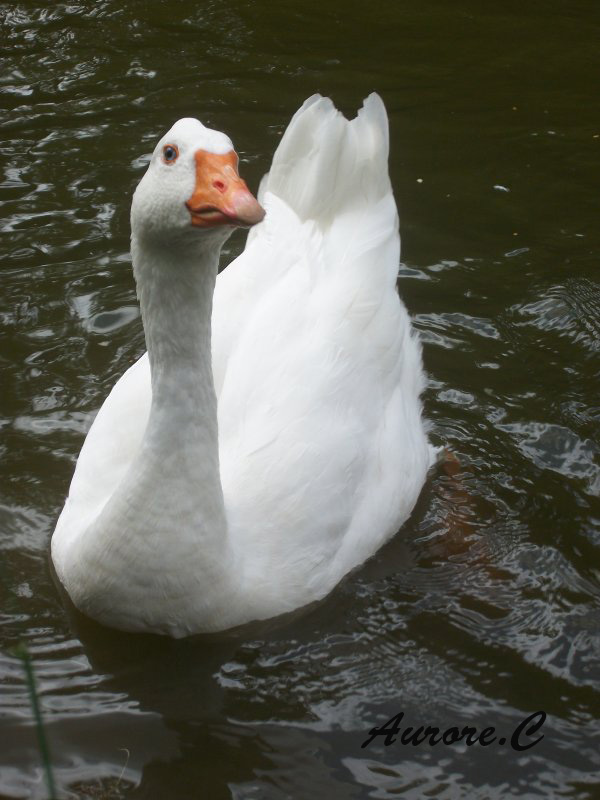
x=326, y=164
x=332, y=173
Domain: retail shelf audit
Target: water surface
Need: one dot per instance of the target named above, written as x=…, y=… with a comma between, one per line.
x=485, y=608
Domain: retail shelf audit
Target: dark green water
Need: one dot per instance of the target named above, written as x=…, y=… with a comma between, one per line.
x=486, y=607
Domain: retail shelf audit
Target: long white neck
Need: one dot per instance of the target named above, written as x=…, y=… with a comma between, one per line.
x=175, y=289
x=161, y=542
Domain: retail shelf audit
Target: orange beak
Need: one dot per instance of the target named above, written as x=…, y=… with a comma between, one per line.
x=220, y=196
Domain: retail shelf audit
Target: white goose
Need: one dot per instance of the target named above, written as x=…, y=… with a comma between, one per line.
x=183, y=517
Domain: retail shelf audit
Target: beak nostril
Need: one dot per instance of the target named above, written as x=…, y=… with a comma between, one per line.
x=219, y=185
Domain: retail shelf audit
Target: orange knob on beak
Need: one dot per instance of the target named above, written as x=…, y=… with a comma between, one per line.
x=220, y=196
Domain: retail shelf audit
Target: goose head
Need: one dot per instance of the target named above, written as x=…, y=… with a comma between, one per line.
x=192, y=189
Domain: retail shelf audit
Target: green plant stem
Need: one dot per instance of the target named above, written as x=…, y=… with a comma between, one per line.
x=22, y=653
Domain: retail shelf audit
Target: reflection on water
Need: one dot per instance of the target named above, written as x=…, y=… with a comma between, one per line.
x=485, y=608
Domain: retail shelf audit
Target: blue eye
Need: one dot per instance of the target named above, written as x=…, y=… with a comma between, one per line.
x=170, y=153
